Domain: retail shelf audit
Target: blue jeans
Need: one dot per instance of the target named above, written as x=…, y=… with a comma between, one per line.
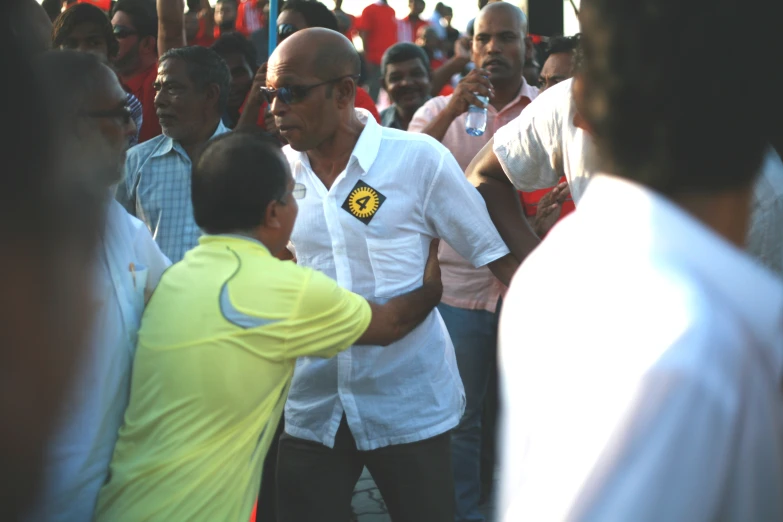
x=474, y=334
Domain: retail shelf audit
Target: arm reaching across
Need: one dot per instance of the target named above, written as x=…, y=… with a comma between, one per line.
x=502, y=199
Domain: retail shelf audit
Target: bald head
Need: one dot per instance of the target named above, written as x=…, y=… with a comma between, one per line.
x=325, y=52
x=504, y=9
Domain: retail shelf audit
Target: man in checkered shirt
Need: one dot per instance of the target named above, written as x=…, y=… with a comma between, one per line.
x=192, y=90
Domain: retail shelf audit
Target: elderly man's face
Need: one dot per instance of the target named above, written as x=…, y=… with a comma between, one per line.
x=182, y=108
x=312, y=115
x=105, y=127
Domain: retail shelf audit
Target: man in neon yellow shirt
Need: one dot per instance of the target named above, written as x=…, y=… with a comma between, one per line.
x=218, y=342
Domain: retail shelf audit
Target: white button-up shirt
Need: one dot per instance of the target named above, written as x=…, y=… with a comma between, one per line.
x=410, y=390
x=77, y=461
x=653, y=393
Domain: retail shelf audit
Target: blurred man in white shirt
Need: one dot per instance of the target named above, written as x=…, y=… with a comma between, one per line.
x=96, y=130
x=654, y=392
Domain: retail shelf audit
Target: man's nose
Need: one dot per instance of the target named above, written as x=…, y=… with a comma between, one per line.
x=277, y=107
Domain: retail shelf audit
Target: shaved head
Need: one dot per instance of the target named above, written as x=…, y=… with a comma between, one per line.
x=334, y=55
x=504, y=9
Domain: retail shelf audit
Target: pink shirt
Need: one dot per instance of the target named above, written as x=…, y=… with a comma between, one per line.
x=464, y=286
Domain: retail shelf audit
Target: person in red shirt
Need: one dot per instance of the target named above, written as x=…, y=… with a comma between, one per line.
x=408, y=28
x=378, y=28
x=345, y=21
x=143, y=33
x=212, y=25
x=250, y=16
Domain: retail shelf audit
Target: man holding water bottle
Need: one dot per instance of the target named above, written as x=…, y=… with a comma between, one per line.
x=493, y=94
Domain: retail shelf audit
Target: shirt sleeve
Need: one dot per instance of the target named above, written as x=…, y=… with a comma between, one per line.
x=456, y=213
x=328, y=319
x=526, y=147
x=363, y=21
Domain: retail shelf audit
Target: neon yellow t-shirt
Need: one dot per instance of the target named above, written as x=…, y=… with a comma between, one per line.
x=213, y=365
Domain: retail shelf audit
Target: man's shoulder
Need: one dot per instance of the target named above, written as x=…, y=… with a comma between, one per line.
x=143, y=151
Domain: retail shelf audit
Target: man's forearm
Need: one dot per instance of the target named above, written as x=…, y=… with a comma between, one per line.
x=399, y=316
x=248, y=120
x=504, y=268
x=507, y=215
x=171, y=25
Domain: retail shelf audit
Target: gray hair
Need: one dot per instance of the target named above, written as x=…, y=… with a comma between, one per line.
x=205, y=67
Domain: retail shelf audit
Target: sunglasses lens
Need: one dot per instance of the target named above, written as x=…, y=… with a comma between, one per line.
x=285, y=95
x=285, y=30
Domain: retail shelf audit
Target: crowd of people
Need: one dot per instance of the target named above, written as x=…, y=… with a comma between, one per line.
x=236, y=278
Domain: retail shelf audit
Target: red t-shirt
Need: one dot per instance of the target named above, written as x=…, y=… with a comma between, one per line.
x=250, y=17
x=202, y=37
x=530, y=201
x=380, y=23
x=140, y=86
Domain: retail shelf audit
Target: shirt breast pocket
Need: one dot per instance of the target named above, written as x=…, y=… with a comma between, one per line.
x=397, y=264
x=139, y=286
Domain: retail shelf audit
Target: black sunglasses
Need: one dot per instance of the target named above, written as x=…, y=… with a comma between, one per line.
x=120, y=31
x=284, y=31
x=296, y=93
x=122, y=114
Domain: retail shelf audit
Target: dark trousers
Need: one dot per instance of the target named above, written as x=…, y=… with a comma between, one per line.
x=316, y=483
x=267, y=496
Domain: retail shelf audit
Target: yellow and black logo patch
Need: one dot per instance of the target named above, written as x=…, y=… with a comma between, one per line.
x=363, y=202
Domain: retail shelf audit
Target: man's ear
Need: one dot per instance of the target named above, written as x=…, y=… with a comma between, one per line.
x=149, y=44
x=346, y=91
x=578, y=95
x=213, y=94
x=271, y=218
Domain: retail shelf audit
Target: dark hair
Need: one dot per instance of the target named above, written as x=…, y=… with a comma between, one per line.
x=702, y=135
x=205, y=67
x=236, y=178
x=563, y=44
x=193, y=5
x=402, y=52
x=142, y=13
x=315, y=13
x=233, y=42
x=236, y=4
x=82, y=14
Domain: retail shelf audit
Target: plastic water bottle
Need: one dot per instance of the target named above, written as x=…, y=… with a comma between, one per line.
x=476, y=122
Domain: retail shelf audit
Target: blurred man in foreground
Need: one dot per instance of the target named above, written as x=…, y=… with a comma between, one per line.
x=689, y=412
x=96, y=128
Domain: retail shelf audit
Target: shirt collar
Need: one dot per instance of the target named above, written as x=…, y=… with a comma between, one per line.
x=367, y=146
x=526, y=92
x=167, y=144
x=754, y=292
x=232, y=238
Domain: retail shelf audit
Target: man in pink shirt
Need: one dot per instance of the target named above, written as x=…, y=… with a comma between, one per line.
x=471, y=296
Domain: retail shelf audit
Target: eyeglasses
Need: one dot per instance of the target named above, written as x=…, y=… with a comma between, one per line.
x=299, y=192
x=284, y=31
x=120, y=31
x=296, y=93
x=122, y=114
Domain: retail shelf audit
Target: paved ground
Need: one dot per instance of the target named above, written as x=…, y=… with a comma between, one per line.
x=368, y=504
